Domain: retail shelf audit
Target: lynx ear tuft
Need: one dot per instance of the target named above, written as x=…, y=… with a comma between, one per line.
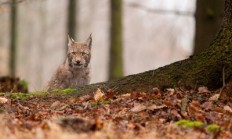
x=70, y=40
x=89, y=41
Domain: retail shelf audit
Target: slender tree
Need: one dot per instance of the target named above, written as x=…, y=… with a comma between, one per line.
x=13, y=38
x=208, y=20
x=116, y=62
x=72, y=14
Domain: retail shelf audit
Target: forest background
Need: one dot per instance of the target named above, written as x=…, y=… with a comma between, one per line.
x=153, y=33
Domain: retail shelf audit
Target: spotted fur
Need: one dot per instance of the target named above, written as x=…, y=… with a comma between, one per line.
x=74, y=72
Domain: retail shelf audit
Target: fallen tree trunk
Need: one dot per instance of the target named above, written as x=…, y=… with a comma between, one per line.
x=204, y=69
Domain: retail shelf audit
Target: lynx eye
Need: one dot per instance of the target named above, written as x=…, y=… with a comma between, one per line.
x=74, y=53
x=83, y=53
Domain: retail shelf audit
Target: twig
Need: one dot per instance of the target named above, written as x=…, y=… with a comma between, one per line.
x=223, y=82
x=184, y=103
x=160, y=11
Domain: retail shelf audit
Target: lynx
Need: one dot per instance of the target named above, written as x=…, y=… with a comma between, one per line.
x=74, y=72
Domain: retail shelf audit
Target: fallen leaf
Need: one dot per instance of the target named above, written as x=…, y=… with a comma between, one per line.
x=207, y=105
x=168, y=103
x=214, y=97
x=213, y=116
x=155, y=107
x=78, y=125
x=227, y=108
x=203, y=89
x=98, y=95
x=86, y=104
x=3, y=100
x=126, y=95
x=138, y=108
x=55, y=104
x=171, y=90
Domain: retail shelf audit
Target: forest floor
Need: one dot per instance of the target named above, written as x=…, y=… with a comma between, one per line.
x=173, y=113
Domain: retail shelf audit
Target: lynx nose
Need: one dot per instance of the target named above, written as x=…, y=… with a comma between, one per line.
x=78, y=62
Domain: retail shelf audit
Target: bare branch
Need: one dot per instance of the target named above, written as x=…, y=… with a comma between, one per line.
x=159, y=11
x=5, y=2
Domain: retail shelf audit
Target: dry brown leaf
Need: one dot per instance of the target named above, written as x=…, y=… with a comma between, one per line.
x=86, y=104
x=227, y=108
x=194, y=108
x=168, y=103
x=214, y=97
x=213, y=116
x=138, y=107
x=98, y=95
x=155, y=107
x=3, y=100
x=171, y=91
x=85, y=98
x=126, y=95
x=196, y=103
x=203, y=89
x=55, y=104
x=207, y=105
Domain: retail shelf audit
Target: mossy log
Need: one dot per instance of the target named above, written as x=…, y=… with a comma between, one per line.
x=204, y=69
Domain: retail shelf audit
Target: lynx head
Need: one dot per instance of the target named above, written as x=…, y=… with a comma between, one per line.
x=79, y=54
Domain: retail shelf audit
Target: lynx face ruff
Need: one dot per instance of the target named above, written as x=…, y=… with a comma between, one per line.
x=74, y=72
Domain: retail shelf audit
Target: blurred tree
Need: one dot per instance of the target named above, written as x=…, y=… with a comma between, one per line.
x=116, y=62
x=208, y=20
x=72, y=13
x=13, y=38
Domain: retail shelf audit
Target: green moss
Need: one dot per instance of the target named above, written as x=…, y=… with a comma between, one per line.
x=24, y=84
x=213, y=128
x=190, y=124
x=64, y=91
x=26, y=95
x=18, y=95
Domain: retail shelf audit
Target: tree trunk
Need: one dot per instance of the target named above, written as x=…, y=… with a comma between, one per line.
x=208, y=20
x=13, y=39
x=204, y=69
x=115, y=62
x=71, y=19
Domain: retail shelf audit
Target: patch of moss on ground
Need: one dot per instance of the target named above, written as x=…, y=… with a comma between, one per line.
x=198, y=124
x=213, y=128
x=26, y=95
x=188, y=123
x=64, y=91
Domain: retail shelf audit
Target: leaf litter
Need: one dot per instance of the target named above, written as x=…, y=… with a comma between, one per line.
x=174, y=113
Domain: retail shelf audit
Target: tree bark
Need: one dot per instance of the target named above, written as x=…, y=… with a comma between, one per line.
x=204, y=69
x=208, y=20
x=13, y=35
x=115, y=62
x=71, y=19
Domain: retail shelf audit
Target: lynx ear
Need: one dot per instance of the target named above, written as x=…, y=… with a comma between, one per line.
x=70, y=40
x=89, y=41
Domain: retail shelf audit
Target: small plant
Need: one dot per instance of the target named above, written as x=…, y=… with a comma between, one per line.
x=191, y=124
x=213, y=128
x=188, y=123
x=24, y=84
